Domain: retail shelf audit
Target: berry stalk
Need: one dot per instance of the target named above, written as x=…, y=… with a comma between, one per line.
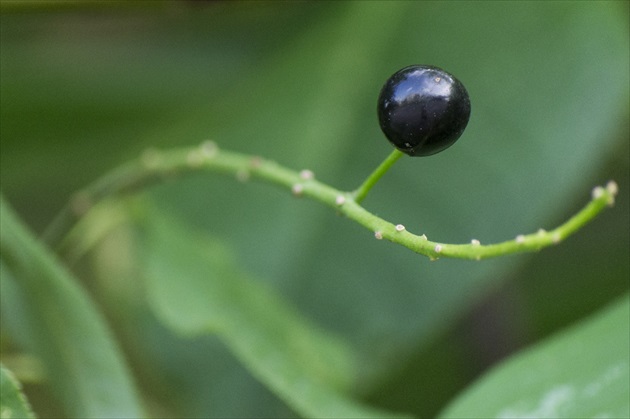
x=361, y=192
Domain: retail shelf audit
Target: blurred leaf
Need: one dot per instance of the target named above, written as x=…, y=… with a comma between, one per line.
x=196, y=288
x=525, y=153
x=582, y=372
x=60, y=324
x=13, y=404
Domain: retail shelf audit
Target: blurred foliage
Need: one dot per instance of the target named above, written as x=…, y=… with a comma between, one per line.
x=50, y=314
x=583, y=372
x=84, y=88
x=12, y=402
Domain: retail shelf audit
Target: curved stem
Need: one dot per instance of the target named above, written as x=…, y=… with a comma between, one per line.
x=156, y=166
x=361, y=192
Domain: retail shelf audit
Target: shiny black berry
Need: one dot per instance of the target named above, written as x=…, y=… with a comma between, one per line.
x=423, y=110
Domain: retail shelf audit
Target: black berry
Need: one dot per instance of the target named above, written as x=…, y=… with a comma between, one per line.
x=423, y=110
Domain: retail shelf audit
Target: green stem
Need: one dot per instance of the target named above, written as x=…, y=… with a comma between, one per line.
x=157, y=166
x=361, y=192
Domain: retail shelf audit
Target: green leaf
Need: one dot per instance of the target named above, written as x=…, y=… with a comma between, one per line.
x=13, y=403
x=196, y=287
x=515, y=169
x=582, y=372
x=60, y=324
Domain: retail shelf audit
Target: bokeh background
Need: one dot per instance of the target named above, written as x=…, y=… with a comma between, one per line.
x=86, y=86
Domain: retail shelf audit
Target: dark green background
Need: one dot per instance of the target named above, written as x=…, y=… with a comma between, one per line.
x=85, y=88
